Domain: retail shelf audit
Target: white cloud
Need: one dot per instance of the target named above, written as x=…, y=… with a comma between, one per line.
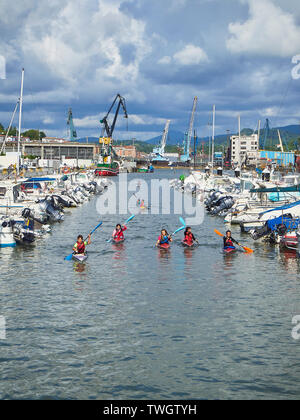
x=93, y=121
x=165, y=60
x=79, y=40
x=268, y=31
x=191, y=55
x=188, y=56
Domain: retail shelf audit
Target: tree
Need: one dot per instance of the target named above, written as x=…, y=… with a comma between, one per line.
x=13, y=132
x=2, y=129
x=32, y=134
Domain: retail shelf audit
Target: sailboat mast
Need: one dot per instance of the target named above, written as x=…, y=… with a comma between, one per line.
x=20, y=122
x=213, y=138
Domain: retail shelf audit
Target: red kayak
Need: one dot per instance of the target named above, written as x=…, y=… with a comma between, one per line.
x=118, y=241
x=164, y=246
x=228, y=251
x=187, y=245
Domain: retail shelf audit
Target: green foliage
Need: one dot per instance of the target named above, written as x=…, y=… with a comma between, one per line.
x=13, y=132
x=30, y=157
x=2, y=129
x=32, y=134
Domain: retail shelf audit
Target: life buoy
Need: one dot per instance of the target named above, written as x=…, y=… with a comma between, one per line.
x=66, y=170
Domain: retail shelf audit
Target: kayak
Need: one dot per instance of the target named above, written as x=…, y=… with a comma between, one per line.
x=164, y=246
x=80, y=257
x=186, y=245
x=118, y=241
x=229, y=251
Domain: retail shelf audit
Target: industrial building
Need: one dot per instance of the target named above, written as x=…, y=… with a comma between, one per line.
x=280, y=158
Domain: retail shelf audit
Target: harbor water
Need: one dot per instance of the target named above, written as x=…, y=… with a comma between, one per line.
x=135, y=322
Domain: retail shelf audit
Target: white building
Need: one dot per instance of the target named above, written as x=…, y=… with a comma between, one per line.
x=244, y=149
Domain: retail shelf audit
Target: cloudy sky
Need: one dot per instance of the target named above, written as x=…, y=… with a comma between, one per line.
x=236, y=54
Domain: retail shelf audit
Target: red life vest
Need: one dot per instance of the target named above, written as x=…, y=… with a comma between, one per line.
x=228, y=242
x=80, y=248
x=189, y=238
x=118, y=234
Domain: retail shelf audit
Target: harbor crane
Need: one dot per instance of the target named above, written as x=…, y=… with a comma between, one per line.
x=70, y=123
x=159, y=151
x=108, y=130
x=188, y=136
x=106, y=138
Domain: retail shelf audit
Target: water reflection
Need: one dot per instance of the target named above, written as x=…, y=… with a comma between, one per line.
x=79, y=267
x=290, y=261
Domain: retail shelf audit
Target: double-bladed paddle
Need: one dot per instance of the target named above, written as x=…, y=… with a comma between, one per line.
x=245, y=248
x=69, y=257
x=128, y=220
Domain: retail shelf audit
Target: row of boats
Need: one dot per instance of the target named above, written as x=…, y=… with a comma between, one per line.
x=30, y=206
x=267, y=209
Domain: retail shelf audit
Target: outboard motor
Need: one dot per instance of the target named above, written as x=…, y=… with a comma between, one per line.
x=61, y=201
x=207, y=170
x=266, y=175
x=237, y=172
x=53, y=214
x=260, y=233
x=220, y=171
x=27, y=214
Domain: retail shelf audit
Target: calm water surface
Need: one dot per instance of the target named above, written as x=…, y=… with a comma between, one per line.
x=134, y=322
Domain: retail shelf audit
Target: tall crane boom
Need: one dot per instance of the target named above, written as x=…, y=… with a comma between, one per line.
x=70, y=123
x=159, y=152
x=110, y=129
x=165, y=136
x=193, y=117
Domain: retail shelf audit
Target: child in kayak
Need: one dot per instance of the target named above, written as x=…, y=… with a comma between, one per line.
x=164, y=238
x=189, y=238
x=79, y=247
x=229, y=241
x=118, y=233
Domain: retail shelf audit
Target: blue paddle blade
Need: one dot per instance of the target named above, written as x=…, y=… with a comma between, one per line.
x=69, y=257
x=182, y=221
x=130, y=218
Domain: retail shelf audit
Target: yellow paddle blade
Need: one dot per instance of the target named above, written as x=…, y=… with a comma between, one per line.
x=218, y=233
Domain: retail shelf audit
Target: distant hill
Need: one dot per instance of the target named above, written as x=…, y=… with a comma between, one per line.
x=289, y=135
x=174, y=138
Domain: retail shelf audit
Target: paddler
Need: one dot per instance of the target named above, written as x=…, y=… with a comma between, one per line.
x=189, y=238
x=79, y=247
x=118, y=233
x=164, y=238
x=229, y=241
